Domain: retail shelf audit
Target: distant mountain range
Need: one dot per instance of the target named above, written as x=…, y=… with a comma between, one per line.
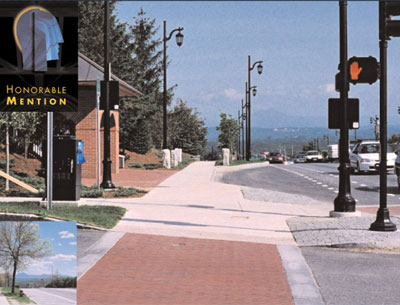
x=271, y=118
x=304, y=133
x=24, y=277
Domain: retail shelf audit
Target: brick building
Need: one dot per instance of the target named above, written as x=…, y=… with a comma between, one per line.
x=85, y=119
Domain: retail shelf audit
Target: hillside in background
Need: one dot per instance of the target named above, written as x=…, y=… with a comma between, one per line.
x=272, y=139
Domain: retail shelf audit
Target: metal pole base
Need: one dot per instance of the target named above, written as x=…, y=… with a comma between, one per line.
x=344, y=202
x=107, y=182
x=382, y=222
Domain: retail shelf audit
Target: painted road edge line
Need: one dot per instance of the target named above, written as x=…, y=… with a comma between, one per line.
x=304, y=288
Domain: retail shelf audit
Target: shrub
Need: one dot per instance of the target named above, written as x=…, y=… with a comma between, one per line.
x=135, y=165
x=127, y=191
x=152, y=166
x=91, y=192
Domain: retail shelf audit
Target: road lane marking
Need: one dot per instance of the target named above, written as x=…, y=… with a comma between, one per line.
x=319, y=182
x=391, y=195
x=330, y=188
x=363, y=185
x=336, y=192
x=324, y=185
x=355, y=182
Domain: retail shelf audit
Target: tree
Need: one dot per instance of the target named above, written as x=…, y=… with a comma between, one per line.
x=229, y=132
x=5, y=119
x=26, y=124
x=135, y=59
x=394, y=139
x=186, y=129
x=19, y=244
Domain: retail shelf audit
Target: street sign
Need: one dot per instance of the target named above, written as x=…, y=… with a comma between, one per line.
x=353, y=113
x=114, y=95
x=363, y=70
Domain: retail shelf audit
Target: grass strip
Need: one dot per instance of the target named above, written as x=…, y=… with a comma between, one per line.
x=15, y=296
x=96, y=215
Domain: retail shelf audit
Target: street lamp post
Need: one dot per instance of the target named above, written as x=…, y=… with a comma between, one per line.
x=107, y=181
x=344, y=202
x=375, y=121
x=179, y=42
x=243, y=133
x=238, y=145
x=259, y=70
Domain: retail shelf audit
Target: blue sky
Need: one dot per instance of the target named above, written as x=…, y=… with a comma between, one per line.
x=62, y=236
x=297, y=40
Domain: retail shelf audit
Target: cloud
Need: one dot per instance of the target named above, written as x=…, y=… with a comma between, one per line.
x=72, y=243
x=60, y=244
x=207, y=97
x=62, y=258
x=329, y=88
x=66, y=234
x=232, y=94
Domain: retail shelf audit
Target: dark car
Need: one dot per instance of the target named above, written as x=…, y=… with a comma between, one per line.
x=276, y=158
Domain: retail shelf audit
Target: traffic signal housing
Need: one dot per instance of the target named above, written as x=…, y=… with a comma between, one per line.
x=388, y=27
x=363, y=70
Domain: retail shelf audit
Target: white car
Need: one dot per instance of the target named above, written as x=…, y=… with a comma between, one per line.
x=313, y=156
x=300, y=158
x=365, y=157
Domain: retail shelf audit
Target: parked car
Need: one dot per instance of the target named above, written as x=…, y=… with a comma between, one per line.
x=397, y=167
x=333, y=152
x=313, y=156
x=365, y=157
x=276, y=157
x=300, y=158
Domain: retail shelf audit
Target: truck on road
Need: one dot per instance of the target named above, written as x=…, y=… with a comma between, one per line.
x=333, y=152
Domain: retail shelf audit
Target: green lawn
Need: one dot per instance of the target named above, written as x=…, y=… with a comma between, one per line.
x=15, y=296
x=96, y=215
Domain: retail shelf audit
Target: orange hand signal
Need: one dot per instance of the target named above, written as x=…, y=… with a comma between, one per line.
x=355, y=70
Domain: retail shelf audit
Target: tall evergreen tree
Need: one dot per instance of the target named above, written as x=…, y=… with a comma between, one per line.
x=186, y=129
x=136, y=59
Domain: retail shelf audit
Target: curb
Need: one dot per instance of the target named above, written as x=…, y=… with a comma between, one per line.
x=304, y=288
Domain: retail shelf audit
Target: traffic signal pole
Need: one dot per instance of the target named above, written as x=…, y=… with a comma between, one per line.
x=344, y=202
x=383, y=222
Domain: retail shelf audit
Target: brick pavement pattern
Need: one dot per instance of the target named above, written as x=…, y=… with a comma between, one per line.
x=150, y=269
x=393, y=210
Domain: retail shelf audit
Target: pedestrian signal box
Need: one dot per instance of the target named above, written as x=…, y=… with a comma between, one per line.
x=363, y=70
x=353, y=113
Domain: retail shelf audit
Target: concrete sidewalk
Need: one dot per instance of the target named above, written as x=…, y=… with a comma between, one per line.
x=3, y=300
x=191, y=204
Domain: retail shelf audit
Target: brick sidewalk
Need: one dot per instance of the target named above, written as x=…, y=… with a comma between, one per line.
x=393, y=210
x=133, y=177
x=150, y=269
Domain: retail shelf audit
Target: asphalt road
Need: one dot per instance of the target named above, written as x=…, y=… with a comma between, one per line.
x=317, y=181
x=360, y=277
x=52, y=296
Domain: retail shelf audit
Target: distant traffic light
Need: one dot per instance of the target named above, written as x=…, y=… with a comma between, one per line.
x=388, y=27
x=363, y=70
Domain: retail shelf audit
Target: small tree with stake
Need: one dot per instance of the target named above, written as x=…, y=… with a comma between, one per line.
x=20, y=243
